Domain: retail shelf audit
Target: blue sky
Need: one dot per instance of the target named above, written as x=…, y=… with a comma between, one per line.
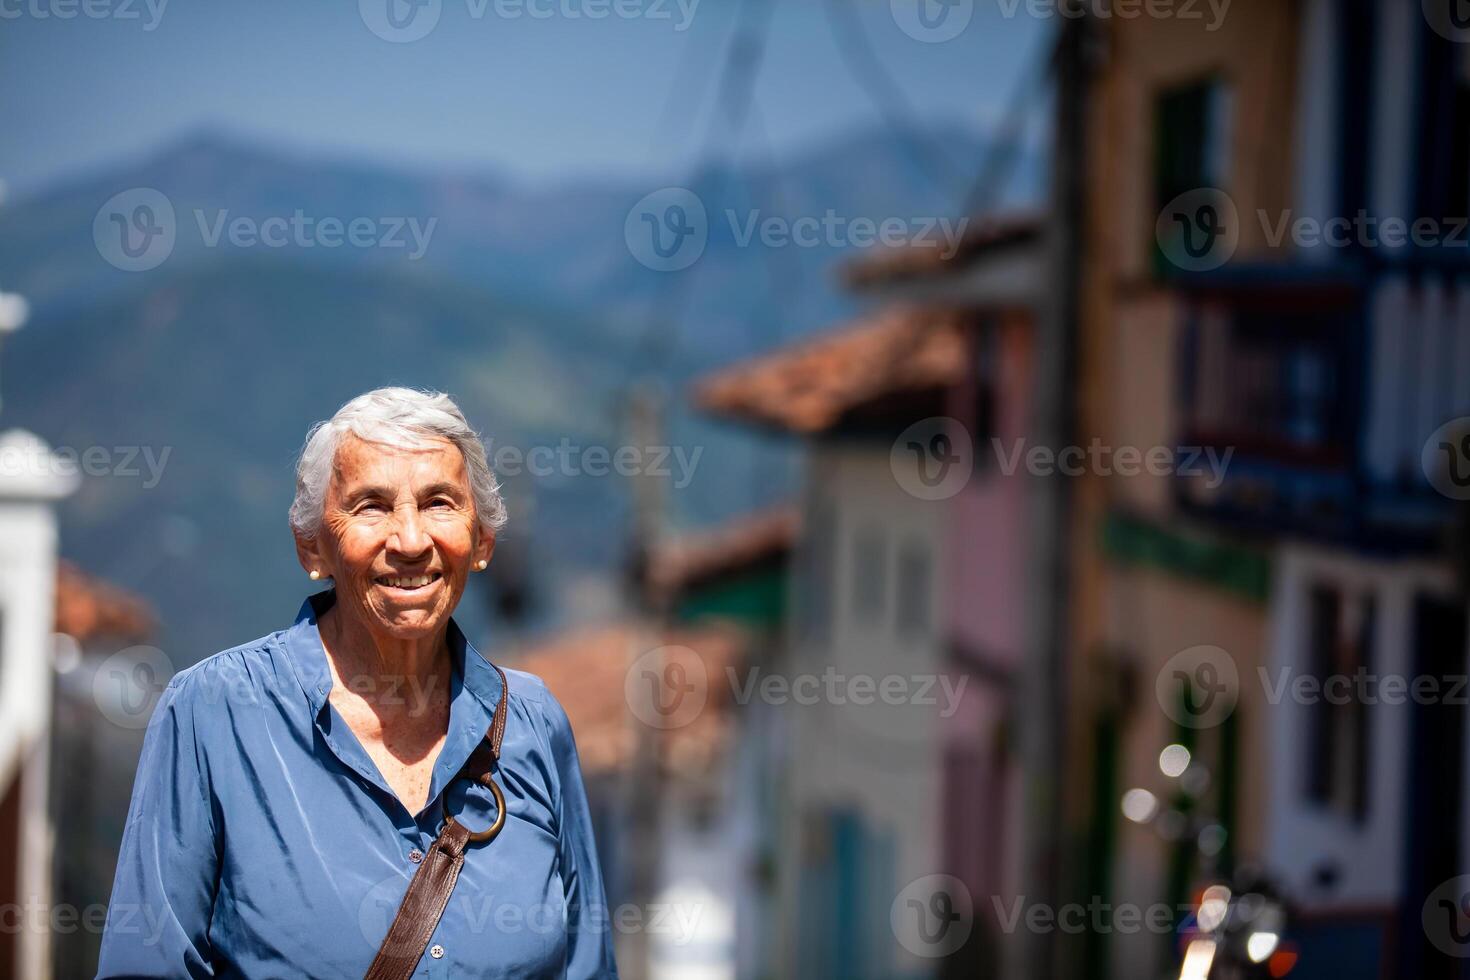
x=490, y=88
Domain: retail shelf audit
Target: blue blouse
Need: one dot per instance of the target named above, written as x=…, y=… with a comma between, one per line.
x=262, y=841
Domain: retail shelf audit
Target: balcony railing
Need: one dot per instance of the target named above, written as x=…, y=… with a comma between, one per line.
x=1325, y=393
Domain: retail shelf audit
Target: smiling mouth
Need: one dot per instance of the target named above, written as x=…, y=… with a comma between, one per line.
x=408, y=583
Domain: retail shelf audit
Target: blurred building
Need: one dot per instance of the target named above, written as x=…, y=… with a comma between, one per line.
x=1251, y=515
x=107, y=681
x=681, y=774
x=906, y=574
x=31, y=481
x=1203, y=597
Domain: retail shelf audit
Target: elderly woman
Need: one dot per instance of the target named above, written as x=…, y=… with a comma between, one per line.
x=363, y=793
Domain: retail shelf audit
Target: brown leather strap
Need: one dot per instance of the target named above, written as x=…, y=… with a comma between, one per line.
x=428, y=893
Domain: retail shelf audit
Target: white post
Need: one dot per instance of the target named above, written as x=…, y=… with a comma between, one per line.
x=32, y=479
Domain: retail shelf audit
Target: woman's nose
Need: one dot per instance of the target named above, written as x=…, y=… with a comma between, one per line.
x=408, y=537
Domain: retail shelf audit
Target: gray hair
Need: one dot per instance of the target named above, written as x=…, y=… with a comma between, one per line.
x=400, y=417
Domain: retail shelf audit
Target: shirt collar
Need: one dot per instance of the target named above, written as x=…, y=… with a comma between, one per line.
x=309, y=657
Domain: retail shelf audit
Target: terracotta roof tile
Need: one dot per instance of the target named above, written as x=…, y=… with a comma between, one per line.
x=810, y=386
x=88, y=608
x=588, y=669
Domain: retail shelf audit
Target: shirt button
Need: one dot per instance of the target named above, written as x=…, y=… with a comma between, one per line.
x=415, y=855
x=436, y=951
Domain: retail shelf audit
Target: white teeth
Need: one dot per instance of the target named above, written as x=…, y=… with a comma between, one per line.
x=407, y=581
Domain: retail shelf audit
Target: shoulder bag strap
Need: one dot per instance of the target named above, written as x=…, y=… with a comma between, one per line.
x=428, y=893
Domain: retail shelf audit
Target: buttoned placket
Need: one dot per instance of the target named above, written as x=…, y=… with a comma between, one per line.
x=469, y=717
x=470, y=713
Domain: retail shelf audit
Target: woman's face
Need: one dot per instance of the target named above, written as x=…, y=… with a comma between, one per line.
x=399, y=535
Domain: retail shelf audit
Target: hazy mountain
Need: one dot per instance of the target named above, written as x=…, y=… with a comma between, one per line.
x=527, y=302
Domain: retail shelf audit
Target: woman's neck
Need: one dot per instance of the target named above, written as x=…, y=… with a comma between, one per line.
x=384, y=670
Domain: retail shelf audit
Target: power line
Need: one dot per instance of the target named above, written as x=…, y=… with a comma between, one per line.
x=1004, y=148
x=867, y=70
x=743, y=57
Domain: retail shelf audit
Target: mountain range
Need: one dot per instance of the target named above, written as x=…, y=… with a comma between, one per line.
x=528, y=302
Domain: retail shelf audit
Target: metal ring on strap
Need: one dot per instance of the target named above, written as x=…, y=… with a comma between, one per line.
x=478, y=836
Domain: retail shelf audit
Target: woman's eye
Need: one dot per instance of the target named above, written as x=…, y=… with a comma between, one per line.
x=370, y=508
x=441, y=502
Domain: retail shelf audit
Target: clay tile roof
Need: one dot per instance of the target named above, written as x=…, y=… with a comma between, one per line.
x=981, y=237
x=88, y=608
x=810, y=386
x=588, y=670
x=701, y=556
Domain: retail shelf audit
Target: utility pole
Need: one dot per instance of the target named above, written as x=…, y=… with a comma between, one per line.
x=645, y=787
x=1045, y=671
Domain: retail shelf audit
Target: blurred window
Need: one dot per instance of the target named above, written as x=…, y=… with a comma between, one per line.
x=912, y=612
x=814, y=604
x=984, y=421
x=1192, y=143
x=1458, y=194
x=1270, y=385
x=869, y=575
x=1339, y=655
x=1192, y=139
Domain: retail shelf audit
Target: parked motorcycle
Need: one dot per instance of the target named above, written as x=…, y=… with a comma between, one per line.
x=1236, y=932
x=1237, y=928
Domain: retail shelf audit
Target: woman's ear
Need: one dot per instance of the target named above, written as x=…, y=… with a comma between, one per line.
x=484, y=549
x=310, y=558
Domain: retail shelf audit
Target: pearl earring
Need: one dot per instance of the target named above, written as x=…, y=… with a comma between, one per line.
x=482, y=564
x=315, y=574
